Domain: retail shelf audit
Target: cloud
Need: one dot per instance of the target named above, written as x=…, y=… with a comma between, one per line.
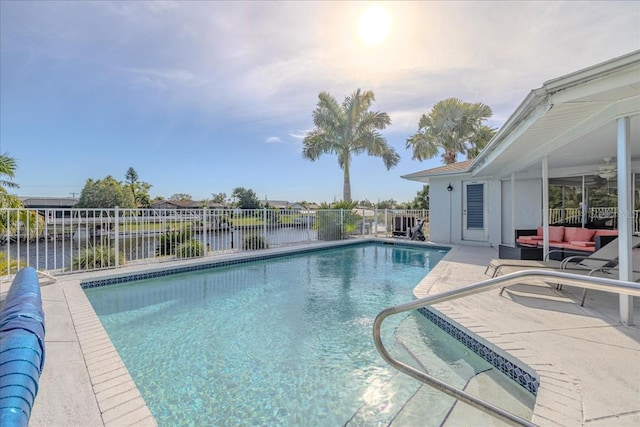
x=266, y=62
x=273, y=140
x=165, y=79
x=299, y=134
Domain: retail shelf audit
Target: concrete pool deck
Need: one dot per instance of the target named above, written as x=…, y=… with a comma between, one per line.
x=589, y=364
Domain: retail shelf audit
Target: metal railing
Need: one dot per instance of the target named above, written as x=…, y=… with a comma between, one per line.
x=74, y=240
x=587, y=282
x=605, y=216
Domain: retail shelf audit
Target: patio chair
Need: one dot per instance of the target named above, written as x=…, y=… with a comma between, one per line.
x=614, y=273
x=606, y=255
x=586, y=265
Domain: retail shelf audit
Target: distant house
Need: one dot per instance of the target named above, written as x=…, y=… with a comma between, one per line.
x=48, y=202
x=176, y=204
x=284, y=205
x=277, y=204
x=56, y=204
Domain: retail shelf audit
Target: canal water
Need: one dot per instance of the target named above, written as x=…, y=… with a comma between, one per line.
x=54, y=255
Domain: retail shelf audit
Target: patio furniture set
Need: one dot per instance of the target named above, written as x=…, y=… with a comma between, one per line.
x=563, y=242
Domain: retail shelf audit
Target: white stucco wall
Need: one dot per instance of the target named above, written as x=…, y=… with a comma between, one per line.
x=446, y=209
x=494, y=219
x=528, y=206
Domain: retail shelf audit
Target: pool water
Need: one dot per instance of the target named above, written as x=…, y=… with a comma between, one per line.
x=286, y=341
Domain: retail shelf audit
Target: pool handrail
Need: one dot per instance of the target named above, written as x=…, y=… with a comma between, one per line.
x=587, y=282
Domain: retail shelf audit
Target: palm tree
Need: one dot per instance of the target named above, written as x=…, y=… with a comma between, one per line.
x=348, y=129
x=454, y=127
x=12, y=219
x=7, y=172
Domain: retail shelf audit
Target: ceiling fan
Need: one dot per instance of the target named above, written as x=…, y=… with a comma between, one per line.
x=607, y=171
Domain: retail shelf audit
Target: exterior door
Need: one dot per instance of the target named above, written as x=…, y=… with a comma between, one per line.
x=474, y=211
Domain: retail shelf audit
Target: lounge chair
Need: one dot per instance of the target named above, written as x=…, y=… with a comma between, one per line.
x=603, y=257
x=587, y=265
x=614, y=273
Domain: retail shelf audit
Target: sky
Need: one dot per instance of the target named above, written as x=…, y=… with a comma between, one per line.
x=201, y=97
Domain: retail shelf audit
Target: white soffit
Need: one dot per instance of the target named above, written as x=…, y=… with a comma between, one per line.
x=575, y=119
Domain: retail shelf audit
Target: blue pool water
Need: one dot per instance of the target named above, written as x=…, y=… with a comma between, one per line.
x=287, y=341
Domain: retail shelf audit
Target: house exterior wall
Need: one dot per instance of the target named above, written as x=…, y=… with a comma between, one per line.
x=494, y=219
x=445, y=210
x=440, y=209
x=528, y=206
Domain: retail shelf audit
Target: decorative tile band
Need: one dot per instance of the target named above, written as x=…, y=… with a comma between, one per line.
x=529, y=381
x=224, y=263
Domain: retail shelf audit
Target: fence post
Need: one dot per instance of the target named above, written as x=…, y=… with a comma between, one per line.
x=204, y=231
x=375, y=221
x=117, y=237
x=264, y=224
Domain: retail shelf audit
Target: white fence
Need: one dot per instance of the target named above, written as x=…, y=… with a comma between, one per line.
x=73, y=240
x=594, y=218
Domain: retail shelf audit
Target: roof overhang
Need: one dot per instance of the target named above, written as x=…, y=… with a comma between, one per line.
x=459, y=168
x=571, y=120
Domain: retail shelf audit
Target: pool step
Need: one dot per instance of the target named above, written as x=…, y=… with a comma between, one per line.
x=405, y=400
x=384, y=403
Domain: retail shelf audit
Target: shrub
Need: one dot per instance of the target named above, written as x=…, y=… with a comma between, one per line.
x=336, y=225
x=99, y=256
x=329, y=225
x=253, y=241
x=169, y=241
x=190, y=249
x=7, y=268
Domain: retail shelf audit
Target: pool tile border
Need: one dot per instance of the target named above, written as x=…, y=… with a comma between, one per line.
x=112, y=280
x=527, y=380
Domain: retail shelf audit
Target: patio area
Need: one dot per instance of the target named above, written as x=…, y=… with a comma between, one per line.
x=587, y=361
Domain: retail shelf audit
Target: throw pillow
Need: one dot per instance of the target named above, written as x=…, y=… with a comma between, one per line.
x=556, y=234
x=583, y=234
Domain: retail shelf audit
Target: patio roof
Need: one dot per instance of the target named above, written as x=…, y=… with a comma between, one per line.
x=572, y=120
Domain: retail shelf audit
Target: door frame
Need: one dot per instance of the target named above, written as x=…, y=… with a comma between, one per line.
x=478, y=234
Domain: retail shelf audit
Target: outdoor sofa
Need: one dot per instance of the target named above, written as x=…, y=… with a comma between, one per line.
x=567, y=240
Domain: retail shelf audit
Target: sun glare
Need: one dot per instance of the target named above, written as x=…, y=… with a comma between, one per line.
x=374, y=25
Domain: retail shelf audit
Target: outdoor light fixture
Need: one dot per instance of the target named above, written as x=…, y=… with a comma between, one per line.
x=449, y=187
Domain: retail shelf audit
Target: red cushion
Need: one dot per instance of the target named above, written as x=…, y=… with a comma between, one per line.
x=606, y=232
x=583, y=234
x=526, y=240
x=568, y=234
x=579, y=243
x=570, y=246
x=539, y=231
x=556, y=234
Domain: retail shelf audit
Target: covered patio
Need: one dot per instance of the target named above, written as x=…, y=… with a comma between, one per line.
x=580, y=127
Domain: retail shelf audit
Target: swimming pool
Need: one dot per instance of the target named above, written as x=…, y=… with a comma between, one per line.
x=285, y=341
